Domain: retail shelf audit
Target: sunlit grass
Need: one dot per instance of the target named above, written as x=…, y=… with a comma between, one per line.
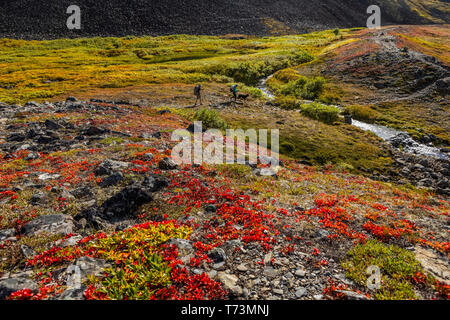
x=38, y=70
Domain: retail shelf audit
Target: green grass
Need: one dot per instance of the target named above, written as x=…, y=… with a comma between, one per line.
x=320, y=143
x=43, y=69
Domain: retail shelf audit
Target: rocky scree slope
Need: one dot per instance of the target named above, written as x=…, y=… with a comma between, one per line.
x=47, y=19
x=89, y=186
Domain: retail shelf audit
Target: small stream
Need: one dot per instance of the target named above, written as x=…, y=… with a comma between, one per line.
x=401, y=139
x=398, y=139
x=263, y=87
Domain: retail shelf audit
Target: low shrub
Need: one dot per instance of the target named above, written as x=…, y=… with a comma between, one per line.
x=210, y=119
x=287, y=103
x=305, y=88
x=320, y=112
x=363, y=113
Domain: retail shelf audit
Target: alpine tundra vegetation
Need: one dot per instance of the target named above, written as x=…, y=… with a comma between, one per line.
x=93, y=207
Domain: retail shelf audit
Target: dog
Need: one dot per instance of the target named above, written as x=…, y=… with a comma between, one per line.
x=243, y=96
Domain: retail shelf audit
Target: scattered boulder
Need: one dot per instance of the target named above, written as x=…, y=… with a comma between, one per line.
x=108, y=167
x=301, y=292
x=155, y=183
x=95, y=131
x=54, y=224
x=443, y=86
x=7, y=233
x=229, y=282
x=351, y=295
x=82, y=192
x=52, y=125
x=14, y=284
x=16, y=137
x=148, y=156
x=38, y=198
x=210, y=208
x=27, y=252
x=300, y=273
x=167, y=164
x=184, y=246
x=112, y=180
x=193, y=127
x=86, y=267
x=32, y=156
x=217, y=255
x=126, y=202
x=72, y=294
x=71, y=99
x=48, y=176
x=270, y=272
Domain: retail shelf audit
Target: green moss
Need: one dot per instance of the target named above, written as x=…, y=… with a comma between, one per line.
x=397, y=266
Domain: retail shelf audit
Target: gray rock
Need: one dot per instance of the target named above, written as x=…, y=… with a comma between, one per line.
x=167, y=164
x=278, y=291
x=267, y=172
x=148, y=157
x=111, y=180
x=72, y=294
x=353, y=295
x=32, y=156
x=108, y=167
x=27, y=252
x=210, y=208
x=71, y=99
x=270, y=272
x=52, y=125
x=242, y=268
x=53, y=224
x=7, y=233
x=184, y=246
x=38, y=198
x=217, y=255
x=300, y=273
x=82, y=192
x=322, y=234
x=70, y=242
x=11, y=285
x=48, y=176
x=301, y=292
x=83, y=268
x=229, y=282
x=268, y=258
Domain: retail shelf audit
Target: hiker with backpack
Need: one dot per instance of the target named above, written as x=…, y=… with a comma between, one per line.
x=198, y=93
x=233, y=90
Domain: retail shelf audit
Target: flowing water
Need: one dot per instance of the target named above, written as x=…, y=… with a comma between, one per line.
x=391, y=135
x=263, y=87
x=402, y=138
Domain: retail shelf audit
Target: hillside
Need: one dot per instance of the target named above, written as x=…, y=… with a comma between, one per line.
x=35, y=19
x=93, y=207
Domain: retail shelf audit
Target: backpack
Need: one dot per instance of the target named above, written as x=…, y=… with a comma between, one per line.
x=197, y=89
x=233, y=89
